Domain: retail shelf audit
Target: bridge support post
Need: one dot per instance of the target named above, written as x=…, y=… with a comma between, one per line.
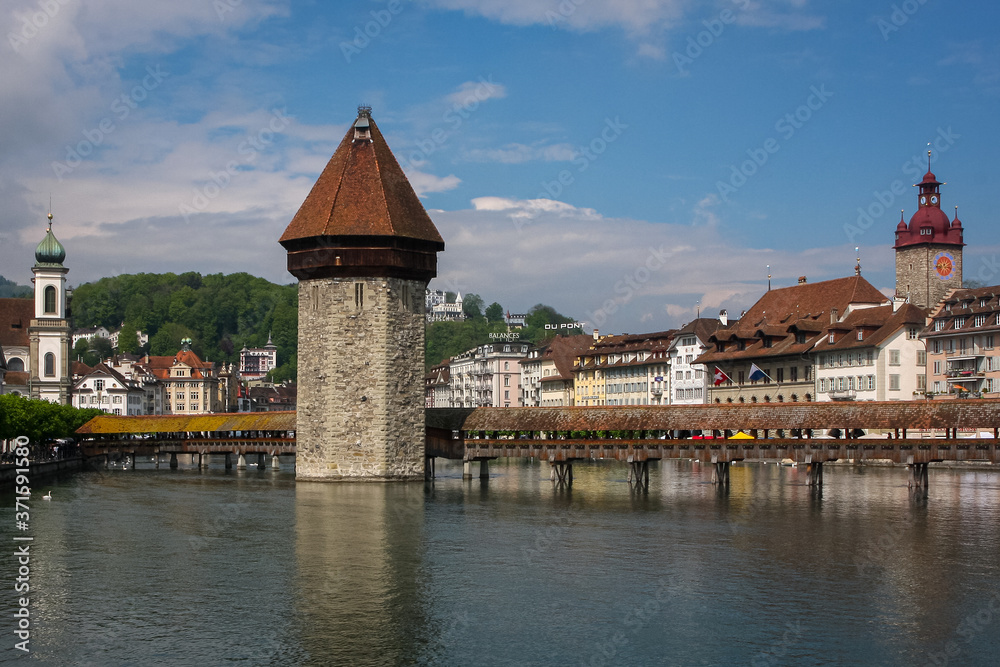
x=260, y=461
x=133, y=460
x=467, y=470
x=275, y=463
x=638, y=474
x=173, y=460
x=918, y=476
x=229, y=461
x=484, y=469
x=814, y=473
x=720, y=475
x=429, y=471
x=563, y=473
x=202, y=460
x=241, y=462
x=156, y=460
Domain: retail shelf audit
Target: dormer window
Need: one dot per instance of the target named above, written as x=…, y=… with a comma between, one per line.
x=939, y=325
x=861, y=335
x=831, y=339
x=362, y=126
x=800, y=337
x=959, y=322
x=983, y=301
x=926, y=231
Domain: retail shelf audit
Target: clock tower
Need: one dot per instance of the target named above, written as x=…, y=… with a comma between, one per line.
x=929, y=248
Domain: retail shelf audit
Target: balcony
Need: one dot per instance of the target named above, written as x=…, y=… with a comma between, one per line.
x=656, y=391
x=843, y=395
x=966, y=373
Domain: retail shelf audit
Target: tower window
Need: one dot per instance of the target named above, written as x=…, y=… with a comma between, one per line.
x=50, y=300
x=359, y=296
x=50, y=364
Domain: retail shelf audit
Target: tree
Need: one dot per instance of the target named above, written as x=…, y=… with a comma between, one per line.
x=128, y=341
x=101, y=348
x=472, y=306
x=494, y=313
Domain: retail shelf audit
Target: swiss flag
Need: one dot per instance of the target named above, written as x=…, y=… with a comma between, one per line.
x=720, y=377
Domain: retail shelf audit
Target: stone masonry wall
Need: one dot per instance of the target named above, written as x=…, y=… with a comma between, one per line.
x=916, y=277
x=360, y=378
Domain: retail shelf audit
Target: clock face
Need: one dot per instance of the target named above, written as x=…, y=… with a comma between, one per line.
x=934, y=199
x=923, y=200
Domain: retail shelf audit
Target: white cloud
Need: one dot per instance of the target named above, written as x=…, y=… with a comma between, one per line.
x=424, y=183
x=516, y=153
x=613, y=272
x=639, y=17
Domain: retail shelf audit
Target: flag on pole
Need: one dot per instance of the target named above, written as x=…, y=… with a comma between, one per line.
x=720, y=377
x=757, y=374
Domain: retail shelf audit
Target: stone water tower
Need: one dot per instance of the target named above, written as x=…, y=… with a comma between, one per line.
x=363, y=249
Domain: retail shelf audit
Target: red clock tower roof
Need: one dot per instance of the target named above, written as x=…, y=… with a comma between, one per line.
x=929, y=224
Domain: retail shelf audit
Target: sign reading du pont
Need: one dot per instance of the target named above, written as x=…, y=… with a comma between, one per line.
x=566, y=325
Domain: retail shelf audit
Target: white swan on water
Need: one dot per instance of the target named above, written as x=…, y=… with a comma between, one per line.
x=47, y=496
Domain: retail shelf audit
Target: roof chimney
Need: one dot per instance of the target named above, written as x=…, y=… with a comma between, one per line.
x=723, y=318
x=597, y=334
x=834, y=315
x=802, y=280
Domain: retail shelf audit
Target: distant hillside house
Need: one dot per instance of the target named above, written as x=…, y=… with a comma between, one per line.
x=440, y=311
x=90, y=333
x=255, y=362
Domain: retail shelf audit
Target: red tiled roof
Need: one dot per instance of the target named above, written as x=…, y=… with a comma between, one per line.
x=15, y=317
x=362, y=192
x=160, y=366
x=876, y=324
x=17, y=378
x=780, y=313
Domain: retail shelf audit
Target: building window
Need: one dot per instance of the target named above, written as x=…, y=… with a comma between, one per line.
x=50, y=300
x=936, y=347
x=180, y=406
x=959, y=322
x=99, y=385
x=793, y=374
x=980, y=320
x=871, y=383
x=506, y=380
x=116, y=399
x=822, y=385
x=912, y=333
x=893, y=383
x=50, y=364
x=894, y=358
x=861, y=335
x=988, y=342
x=937, y=368
x=779, y=375
x=359, y=296
x=921, y=382
x=921, y=358
x=939, y=325
x=831, y=339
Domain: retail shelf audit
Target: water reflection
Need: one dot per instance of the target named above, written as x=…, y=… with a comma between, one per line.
x=361, y=594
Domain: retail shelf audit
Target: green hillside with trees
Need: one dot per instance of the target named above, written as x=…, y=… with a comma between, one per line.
x=447, y=339
x=223, y=313
x=9, y=289
x=220, y=313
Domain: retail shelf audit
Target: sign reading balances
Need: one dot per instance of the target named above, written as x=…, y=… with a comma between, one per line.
x=944, y=265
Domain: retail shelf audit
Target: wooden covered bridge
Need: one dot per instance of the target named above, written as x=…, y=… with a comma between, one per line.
x=915, y=433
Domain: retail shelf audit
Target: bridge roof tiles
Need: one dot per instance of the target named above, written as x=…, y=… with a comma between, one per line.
x=227, y=421
x=867, y=414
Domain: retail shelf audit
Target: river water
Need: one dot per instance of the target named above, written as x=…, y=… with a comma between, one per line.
x=188, y=567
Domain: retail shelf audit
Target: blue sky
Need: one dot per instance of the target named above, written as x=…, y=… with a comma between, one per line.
x=627, y=162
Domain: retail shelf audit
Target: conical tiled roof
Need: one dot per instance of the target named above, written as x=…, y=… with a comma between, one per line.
x=362, y=217
x=362, y=192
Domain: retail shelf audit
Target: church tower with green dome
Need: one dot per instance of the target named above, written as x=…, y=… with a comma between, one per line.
x=49, y=333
